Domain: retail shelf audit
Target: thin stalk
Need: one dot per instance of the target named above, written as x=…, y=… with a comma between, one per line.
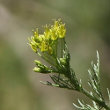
x=82, y=90
x=101, y=103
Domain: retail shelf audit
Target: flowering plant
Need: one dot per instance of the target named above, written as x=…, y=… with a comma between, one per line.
x=52, y=47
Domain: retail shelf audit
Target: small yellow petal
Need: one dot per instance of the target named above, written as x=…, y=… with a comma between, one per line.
x=44, y=46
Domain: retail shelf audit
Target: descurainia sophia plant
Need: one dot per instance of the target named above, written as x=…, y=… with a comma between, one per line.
x=52, y=47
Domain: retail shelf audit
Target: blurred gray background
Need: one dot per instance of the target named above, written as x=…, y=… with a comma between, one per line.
x=88, y=30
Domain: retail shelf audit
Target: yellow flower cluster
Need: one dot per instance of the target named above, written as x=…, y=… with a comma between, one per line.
x=44, y=42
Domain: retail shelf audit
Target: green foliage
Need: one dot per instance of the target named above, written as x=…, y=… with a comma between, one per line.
x=63, y=75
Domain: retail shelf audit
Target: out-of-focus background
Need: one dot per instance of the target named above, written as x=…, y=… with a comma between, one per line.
x=88, y=30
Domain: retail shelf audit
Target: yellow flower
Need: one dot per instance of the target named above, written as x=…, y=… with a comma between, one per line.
x=59, y=29
x=47, y=32
x=33, y=47
x=62, y=31
x=46, y=41
x=36, y=33
x=41, y=37
x=53, y=34
x=44, y=46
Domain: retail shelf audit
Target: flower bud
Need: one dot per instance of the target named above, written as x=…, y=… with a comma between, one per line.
x=63, y=61
x=37, y=62
x=36, y=69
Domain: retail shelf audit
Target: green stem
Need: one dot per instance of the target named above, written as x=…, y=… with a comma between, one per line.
x=79, y=88
x=101, y=103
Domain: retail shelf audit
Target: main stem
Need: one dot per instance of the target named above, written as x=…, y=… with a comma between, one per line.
x=75, y=82
x=101, y=103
